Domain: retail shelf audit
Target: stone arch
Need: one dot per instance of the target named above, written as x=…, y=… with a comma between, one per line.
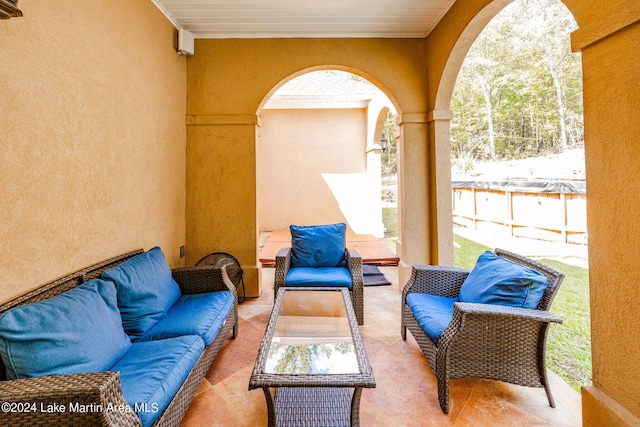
x=229, y=81
x=604, y=36
x=354, y=197
x=380, y=85
x=460, y=49
x=441, y=116
x=381, y=119
x=462, y=45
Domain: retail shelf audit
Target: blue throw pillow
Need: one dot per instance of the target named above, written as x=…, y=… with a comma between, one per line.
x=146, y=290
x=495, y=280
x=75, y=332
x=318, y=245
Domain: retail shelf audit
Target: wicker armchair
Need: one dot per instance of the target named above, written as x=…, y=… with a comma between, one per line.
x=484, y=341
x=354, y=264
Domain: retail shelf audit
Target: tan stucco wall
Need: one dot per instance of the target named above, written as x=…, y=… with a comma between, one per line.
x=228, y=81
x=608, y=37
x=221, y=193
x=612, y=156
x=312, y=169
x=93, y=99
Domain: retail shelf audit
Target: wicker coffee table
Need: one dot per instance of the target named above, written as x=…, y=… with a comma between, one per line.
x=312, y=365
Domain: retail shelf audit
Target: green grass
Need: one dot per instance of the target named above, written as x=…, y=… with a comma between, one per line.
x=568, y=344
x=390, y=221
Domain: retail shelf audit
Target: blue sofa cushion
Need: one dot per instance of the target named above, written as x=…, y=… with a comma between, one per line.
x=151, y=373
x=433, y=313
x=318, y=245
x=77, y=331
x=146, y=290
x=196, y=314
x=495, y=280
x=319, y=276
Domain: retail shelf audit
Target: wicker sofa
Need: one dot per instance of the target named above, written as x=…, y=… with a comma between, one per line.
x=99, y=397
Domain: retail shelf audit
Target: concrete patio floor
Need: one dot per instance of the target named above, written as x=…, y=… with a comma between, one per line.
x=406, y=392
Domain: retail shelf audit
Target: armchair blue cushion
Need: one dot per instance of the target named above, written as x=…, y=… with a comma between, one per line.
x=433, y=313
x=495, y=280
x=319, y=276
x=318, y=245
x=146, y=290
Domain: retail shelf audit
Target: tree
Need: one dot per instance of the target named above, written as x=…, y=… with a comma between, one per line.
x=521, y=74
x=389, y=156
x=550, y=20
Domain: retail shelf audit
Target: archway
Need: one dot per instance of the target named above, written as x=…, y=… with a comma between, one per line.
x=524, y=190
x=318, y=156
x=604, y=36
x=518, y=117
x=440, y=118
x=318, y=153
x=499, y=219
x=230, y=82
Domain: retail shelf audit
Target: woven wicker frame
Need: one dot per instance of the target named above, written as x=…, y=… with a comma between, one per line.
x=318, y=399
x=102, y=389
x=354, y=264
x=484, y=341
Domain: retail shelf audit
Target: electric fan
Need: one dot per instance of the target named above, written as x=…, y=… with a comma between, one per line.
x=234, y=271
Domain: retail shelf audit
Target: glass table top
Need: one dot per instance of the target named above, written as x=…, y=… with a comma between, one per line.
x=312, y=336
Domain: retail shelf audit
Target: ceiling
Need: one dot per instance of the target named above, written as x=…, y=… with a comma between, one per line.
x=209, y=19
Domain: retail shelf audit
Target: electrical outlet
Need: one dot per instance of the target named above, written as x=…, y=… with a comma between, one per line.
x=182, y=251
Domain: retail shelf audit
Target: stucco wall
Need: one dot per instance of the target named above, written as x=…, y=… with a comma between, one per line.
x=93, y=99
x=312, y=169
x=612, y=156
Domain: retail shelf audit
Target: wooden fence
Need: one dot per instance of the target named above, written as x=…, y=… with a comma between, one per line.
x=547, y=211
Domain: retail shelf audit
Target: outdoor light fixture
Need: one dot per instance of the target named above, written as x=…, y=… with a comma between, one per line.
x=384, y=142
x=9, y=9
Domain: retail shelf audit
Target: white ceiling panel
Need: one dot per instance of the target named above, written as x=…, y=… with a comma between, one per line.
x=303, y=18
